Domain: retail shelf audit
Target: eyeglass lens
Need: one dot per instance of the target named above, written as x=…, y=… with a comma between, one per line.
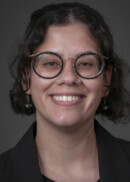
x=49, y=65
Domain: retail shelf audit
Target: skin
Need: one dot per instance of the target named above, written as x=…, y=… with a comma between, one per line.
x=66, y=130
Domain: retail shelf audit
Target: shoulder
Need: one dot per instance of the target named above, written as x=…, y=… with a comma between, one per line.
x=125, y=145
x=26, y=143
x=4, y=164
x=110, y=142
x=14, y=163
x=114, y=156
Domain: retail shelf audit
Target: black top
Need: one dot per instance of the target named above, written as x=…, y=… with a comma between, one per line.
x=20, y=164
x=46, y=179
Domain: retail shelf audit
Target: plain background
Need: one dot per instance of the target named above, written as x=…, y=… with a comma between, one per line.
x=14, y=17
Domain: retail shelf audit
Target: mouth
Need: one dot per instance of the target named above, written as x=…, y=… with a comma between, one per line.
x=67, y=100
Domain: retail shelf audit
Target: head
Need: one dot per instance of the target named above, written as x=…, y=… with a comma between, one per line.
x=64, y=15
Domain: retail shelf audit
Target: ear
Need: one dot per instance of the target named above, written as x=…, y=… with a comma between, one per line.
x=28, y=92
x=26, y=88
x=26, y=82
x=107, y=81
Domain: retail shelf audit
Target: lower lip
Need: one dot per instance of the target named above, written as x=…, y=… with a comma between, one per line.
x=63, y=103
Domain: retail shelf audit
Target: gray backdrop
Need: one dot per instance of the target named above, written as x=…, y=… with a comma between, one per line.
x=14, y=16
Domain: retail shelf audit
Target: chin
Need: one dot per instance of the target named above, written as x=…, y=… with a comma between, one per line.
x=68, y=122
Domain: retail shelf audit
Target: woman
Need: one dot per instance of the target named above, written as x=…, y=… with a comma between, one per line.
x=68, y=73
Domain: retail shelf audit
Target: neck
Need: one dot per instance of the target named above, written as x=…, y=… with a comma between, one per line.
x=67, y=148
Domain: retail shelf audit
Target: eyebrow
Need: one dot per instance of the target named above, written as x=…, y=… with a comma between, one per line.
x=85, y=52
x=60, y=54
x=80, y=53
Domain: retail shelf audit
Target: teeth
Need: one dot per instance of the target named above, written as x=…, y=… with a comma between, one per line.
x=66, y=98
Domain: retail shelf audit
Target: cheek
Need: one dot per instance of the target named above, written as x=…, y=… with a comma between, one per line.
x=39, y=87
x=95, y=86
x=95, y=94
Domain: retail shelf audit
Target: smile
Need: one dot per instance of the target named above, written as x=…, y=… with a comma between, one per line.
x=65, y=98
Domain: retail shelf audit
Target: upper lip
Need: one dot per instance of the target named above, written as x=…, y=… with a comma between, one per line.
x=67, y=94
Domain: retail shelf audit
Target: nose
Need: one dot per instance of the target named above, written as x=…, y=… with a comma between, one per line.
x=68, y=75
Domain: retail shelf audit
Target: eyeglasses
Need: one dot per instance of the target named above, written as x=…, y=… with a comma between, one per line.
x=49, y=65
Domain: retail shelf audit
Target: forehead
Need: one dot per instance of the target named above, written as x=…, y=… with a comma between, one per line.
x=69, y=37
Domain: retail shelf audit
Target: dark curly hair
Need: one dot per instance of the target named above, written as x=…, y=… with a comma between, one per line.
x=64, y=14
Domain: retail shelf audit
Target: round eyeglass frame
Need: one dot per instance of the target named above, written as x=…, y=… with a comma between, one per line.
x=101, y=57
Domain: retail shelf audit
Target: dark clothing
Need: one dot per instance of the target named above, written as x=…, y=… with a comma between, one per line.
x=20, y=164
x=46, y=179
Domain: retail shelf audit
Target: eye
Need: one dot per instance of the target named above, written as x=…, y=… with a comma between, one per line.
x=50, y=63
x=85, y=63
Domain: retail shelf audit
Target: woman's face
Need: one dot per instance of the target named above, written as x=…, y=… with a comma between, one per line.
x=68, y=41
